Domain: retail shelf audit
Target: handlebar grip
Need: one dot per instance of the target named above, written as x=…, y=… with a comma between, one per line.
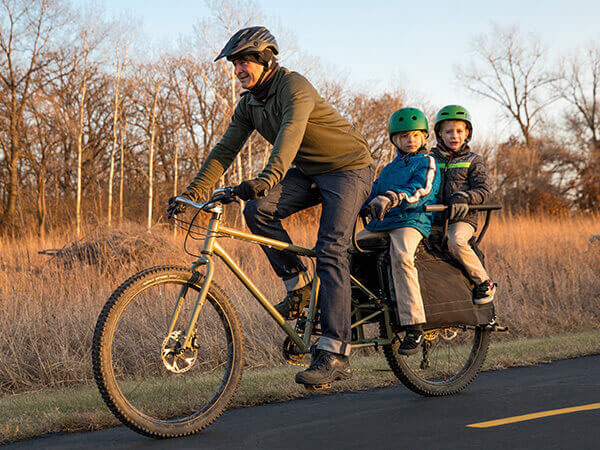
x=435, y=208
x=440, y=208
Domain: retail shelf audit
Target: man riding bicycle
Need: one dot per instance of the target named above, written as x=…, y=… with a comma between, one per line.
x=332, y=166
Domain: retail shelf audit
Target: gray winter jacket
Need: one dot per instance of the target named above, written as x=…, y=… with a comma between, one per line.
x=463, y=171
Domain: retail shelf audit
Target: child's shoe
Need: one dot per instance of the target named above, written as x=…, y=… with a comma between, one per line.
x=484, y=292
x=412, y=340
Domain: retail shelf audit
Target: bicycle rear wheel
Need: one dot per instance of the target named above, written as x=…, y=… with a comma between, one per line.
x=449, y=359
x=146, y=380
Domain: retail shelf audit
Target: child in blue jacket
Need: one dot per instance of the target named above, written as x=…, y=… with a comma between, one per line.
x=404, y=186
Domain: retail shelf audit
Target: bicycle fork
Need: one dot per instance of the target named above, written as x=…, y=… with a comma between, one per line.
x=204, y=260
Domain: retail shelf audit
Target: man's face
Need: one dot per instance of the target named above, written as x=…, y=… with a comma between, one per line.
x=248, y=72
x=454, y=133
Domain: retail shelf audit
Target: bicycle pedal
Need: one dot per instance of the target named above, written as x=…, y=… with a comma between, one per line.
x=317, y=387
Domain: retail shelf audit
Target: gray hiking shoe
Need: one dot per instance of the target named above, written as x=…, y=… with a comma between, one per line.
x=325, y=367
x=294, y=302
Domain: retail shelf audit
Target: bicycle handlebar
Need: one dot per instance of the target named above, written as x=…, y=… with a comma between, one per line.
x=441, y=208
x=221, y=195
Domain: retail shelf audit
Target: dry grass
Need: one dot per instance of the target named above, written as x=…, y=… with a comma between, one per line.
x=547, y=271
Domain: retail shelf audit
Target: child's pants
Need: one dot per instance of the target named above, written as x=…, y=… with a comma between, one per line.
x=458, y=236
x=404, y=242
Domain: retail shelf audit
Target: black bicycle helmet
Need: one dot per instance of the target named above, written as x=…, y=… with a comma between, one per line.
x=249, y=40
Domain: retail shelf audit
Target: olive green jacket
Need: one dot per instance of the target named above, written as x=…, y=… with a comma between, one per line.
x=304, y=130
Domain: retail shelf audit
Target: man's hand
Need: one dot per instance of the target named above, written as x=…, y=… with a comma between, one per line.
x=459, y=206
x=251, y=189
x=379, y=206
x=174, y=208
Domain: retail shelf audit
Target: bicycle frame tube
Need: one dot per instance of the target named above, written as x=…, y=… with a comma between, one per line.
x=211, y=247
x=221, y=253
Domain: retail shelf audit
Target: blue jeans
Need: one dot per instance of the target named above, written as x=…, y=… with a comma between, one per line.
x=342, y=194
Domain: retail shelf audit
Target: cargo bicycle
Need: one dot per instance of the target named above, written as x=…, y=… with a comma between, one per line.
x=168, y=347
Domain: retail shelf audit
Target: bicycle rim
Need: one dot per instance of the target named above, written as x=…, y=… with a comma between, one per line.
x=448, y=360
x=145, y=379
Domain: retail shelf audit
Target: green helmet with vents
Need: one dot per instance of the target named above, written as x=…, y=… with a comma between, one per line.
x=453, y=112
x=408, y=119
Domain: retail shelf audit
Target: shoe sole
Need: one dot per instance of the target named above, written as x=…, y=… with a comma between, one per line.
x=483, y=301
x=339, y=376
x=409, y=352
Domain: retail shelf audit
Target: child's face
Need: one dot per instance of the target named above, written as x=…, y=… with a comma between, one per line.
x=454, y=133
x=409, y=141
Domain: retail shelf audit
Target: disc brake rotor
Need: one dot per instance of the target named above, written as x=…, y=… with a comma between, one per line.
x=176, y=359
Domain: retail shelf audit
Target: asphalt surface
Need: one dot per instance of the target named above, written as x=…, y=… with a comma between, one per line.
x=395, y=417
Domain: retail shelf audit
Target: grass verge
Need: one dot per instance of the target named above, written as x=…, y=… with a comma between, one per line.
x=81, y=409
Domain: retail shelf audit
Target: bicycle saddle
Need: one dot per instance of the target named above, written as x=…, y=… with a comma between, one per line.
x=373, y=244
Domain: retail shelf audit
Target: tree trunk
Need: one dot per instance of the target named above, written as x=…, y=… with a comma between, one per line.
x=250, y=157
x=111, y=174
x=151, y=161
x=80, y=143
x=122, y=170
x=12, y=189
x=41, y=203
x=176, y=173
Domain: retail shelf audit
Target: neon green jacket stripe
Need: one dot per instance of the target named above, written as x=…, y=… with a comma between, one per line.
x=454, y=165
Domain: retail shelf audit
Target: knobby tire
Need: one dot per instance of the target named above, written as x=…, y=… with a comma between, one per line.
x=163, y=279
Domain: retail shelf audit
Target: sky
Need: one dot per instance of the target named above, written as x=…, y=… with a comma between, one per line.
x=377, y=45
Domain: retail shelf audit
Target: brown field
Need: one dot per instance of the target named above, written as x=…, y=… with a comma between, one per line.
x=547, y=270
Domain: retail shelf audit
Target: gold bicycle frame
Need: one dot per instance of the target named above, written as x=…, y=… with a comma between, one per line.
x=211, y=246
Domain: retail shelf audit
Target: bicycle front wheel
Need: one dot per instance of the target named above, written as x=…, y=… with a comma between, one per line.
x=448, y=360
x=146, y=379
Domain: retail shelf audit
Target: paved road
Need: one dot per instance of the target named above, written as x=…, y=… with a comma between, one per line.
x=394, y=417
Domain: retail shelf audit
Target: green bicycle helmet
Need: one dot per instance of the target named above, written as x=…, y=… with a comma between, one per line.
x=408, y=119
x=453, y=112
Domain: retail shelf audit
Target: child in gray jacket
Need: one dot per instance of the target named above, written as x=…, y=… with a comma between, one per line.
x=464, y=183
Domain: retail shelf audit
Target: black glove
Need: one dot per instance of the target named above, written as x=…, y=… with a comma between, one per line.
x=459, y=206
x=251, y=189
x=379, y=206
x=174, y=208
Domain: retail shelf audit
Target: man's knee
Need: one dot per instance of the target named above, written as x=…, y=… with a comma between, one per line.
x=256, y=209
x=332, y=251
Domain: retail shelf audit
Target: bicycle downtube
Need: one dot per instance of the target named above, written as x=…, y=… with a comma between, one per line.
x=221, y=253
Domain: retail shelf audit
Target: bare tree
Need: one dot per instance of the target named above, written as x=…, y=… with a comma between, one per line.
x=370, y=116
x=26, y=31
x=579, y=86
x=509, y=70
x=123, y=37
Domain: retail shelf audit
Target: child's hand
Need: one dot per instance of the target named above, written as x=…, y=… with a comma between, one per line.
x=379, y=206
x=459, y=206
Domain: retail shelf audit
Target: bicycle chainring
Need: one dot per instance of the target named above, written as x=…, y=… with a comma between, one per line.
x=291, y=354
x=174, y=357
x=447, y=334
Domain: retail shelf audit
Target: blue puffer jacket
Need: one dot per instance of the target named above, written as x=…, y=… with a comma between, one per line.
x=416, y=175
